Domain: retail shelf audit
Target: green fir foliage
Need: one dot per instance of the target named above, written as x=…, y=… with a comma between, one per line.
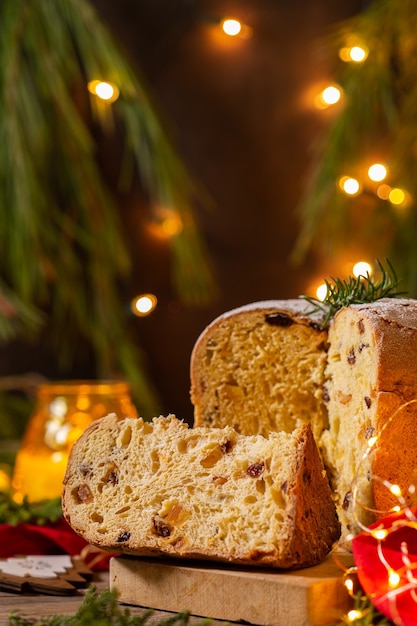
x=39, y=513
x=102, y=609
x=63, y=254
x=376, y=120
x=368, y=614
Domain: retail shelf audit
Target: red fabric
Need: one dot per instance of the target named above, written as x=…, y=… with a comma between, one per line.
x=397, y=551
x=56, y=538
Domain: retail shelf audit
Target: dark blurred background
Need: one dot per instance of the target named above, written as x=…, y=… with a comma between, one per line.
x=240, y=112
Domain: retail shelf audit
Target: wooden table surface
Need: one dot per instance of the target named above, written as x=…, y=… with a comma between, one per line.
x=31, y=605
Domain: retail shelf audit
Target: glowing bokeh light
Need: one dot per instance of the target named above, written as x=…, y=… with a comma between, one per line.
x=396, y=196
x=144, y=304
x=357, y=54
x=383, y=192
x=231, y=27
x=330, y=95
x=362, y=268
x=377, y=172
x=103, y=90
x=321, y=292
x=349, y=185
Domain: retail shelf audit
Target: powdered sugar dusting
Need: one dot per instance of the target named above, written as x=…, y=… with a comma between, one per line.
x=298, y=309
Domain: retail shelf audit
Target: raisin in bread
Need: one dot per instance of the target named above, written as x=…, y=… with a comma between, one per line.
x=371, y=373
x=161, y=488
x=260, y=368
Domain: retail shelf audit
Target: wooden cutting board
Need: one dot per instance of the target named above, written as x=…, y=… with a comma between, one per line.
x=313, y=596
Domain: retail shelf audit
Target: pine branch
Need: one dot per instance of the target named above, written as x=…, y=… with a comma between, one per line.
x=40, y=513
x=367, y=614
x=378, y=122
x=62, y=245
x=102, y=608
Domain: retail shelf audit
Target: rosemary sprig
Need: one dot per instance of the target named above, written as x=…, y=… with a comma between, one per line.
x=355, y=290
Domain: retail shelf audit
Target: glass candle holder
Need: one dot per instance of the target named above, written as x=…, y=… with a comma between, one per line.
x=62, y=412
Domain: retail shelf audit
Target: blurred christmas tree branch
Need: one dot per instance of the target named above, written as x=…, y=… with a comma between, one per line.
x=63, y=252
x=376, y=119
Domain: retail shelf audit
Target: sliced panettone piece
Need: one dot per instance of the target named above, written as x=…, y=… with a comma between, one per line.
x=260, y=368
x=161, y=488
x=371, y=374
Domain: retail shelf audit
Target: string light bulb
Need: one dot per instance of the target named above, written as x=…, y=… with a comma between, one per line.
x=321, y=292
x=329, y=96
x=354, y=614
x=393, y=578
x=362, y=268
x=396, y=196
x=383, y=191
x=377, y=172
x=349, y=185
x=353, y=54
x=144, y=304
x=104, y=90
x=231, y=27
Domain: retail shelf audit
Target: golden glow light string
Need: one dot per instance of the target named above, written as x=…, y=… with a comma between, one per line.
x=385, y=552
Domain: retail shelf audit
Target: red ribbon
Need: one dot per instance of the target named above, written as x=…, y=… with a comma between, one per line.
x=53, y=538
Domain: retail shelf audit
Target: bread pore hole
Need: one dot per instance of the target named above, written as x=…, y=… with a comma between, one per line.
x=260, y=486
x=122, y=510
x=212, y=458
x=155, y=461
x=182, y=446
x=125, y=437
x=96, y=517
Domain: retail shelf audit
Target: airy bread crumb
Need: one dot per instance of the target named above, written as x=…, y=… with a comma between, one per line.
x=161, y=488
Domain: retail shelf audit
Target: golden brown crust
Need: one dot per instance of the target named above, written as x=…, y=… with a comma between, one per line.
x=371, y=372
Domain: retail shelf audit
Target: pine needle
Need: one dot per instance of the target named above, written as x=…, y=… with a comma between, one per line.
x=102, y=609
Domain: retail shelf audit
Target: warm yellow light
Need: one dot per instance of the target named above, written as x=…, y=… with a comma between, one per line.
x=395, y=490
x=5, y=480
x=349, y=185
x=377, y=172
x=321, y=291
x=393, y=578
x=380, y=533
x=144, y=304
x=357, y=54
x=354, y=614
x=103, y=90
x=231, y=27
x=167, y=223
x=372, y=441
x=362, y=268
x=349, y=584
x=331, y=95
x=396, y=196
x=383, y=192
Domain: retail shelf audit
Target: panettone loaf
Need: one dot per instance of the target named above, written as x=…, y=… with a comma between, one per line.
x=267, y=366
x=161, y=488
x=371, y=372
x=260, y=368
